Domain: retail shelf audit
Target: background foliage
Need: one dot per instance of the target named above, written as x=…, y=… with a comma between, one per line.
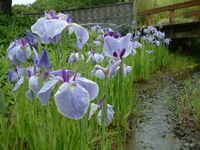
x=46, y=5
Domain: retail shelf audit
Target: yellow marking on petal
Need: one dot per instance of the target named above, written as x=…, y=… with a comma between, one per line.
x=114, y=60
x=71, y=86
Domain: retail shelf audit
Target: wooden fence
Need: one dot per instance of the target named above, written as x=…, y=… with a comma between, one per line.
x=171, y=9
x=113, y=13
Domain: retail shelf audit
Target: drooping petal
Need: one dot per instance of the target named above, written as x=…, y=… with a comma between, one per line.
x=98, y=71
x=39, y=27
x=20, y=71
x=98, y=57
x=55, y=39
x=45, y=39
x=113, y=68
x=93, y=108
x=54, y=26
x=10, y=47
x=31, y=38
x=97, y=43
x=72, y=100
x=33, y=84
x=100, y=74
x=30, y=94
x=81, y=33
x=43, y=62
x=45, y=92
x=12, y=51
x=126, y=70
x=90, y=86
x=14, y=60
x=17, y=85
x=110, y=114
x=12, y=76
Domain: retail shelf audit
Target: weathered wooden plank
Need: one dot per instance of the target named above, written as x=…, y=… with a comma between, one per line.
x=191, y=13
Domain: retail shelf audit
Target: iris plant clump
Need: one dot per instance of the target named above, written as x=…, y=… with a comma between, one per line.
x=41, y=80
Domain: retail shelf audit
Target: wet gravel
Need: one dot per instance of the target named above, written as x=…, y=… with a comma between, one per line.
x=161, y=123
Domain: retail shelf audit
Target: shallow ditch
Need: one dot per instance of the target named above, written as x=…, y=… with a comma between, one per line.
x=158, y=126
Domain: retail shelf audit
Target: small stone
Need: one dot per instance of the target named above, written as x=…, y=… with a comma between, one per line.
x=189, y=140
x=186, y=144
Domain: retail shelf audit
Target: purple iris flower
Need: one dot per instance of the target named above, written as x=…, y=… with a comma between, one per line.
x=94, y=108
x=18, y=50
x=126, y=69
x=167, y=41
x=151, y=29
x=31, y=38
x=12, y=76
x=41, y=69
x=95, y=56
x=32, y=77
x=73, y=96
x=112, y=34
x=97, y=43
x=118, y=48
x=16, y=77
x=135, y=44
x=43, y=63
x=74, y=57
x=97, y=28
x=150, y=38
x=157, y=43
x=109, y=71
x=50, y=27
x=159, y=35
x=20, y=72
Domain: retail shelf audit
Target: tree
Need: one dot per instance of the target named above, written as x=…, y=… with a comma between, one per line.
x=6, y=7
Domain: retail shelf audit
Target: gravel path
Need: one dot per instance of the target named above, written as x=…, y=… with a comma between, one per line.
x=155, y=129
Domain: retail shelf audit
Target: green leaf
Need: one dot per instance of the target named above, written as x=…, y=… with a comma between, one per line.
x=2, y=104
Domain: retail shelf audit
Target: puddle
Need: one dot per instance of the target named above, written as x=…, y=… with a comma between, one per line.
x=154, y=129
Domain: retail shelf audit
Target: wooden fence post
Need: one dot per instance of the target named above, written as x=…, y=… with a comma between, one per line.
x=148, y=19
x=171, y=18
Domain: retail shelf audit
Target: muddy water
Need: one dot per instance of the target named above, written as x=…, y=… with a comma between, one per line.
x=154, y=128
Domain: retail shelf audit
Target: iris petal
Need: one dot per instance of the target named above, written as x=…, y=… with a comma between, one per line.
x=12, y=76
x=99, y=73
x=45, y=92
x=126, y=44
x=39, y=27
x=110, y=113
x=54, y=27
x=33, y=84
x=98, y=57
x=113, y=68
x=110, y=45
x=17, y=85
x=72, y=103
x=80, y=32
x=93, y=109
x=90, y=86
